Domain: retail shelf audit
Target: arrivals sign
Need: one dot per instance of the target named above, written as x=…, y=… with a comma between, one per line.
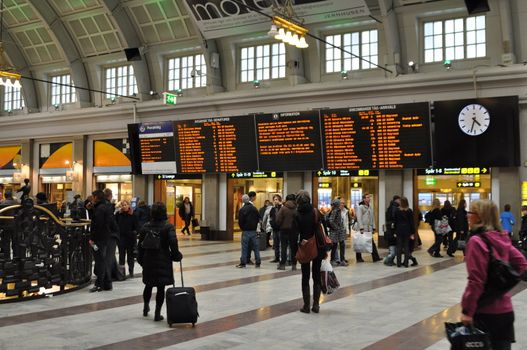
x=221, y=18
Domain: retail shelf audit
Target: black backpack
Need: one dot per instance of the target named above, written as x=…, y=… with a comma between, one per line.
x=152, y=240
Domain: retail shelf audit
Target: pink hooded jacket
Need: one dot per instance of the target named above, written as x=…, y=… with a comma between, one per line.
x=477, y=259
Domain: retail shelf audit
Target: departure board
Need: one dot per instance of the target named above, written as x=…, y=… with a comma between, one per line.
x=377, y=137
x=156, y=147
x=214, y=145
x=289, y=141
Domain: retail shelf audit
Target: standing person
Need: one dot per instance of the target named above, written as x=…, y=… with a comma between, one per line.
x=288, y=231
x=461, y=225
x=128, y=227
x=404, y=230
x=113, y=242
x=337, y=233
x=142, y=213
x=389, y=236
x=431, y=217
x=450, y=212
x=308, y=222
x=262, y=210
x=25, y=190
x=523, y=228
x=157, y=263
x=496, y=316
x=366, y=224
x=265, y=228
x=346, y=217
x=507, y=219
x=275, y=228
x=248, y=219
x=186, y=213
x=100, y=232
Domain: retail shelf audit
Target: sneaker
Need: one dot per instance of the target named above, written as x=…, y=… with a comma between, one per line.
x=257, y=265
x=281, y=267
x=437, y=255
x=95, y=289
x=360, y=260
x=241, y=266
x=343, y=263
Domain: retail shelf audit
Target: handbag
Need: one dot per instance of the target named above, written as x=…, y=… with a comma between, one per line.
x=462, y=337
x=362, y=242
x=501, y=277
x=308, y=251
x=441, y=226
x=195, y=222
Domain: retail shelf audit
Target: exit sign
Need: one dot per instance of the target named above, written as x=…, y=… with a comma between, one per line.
x=169, y=99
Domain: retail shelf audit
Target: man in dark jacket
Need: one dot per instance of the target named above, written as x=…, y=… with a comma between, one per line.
x=101, y=225
x=389, y=235
x=248, y=219
x=288, y=231
x=277, y=205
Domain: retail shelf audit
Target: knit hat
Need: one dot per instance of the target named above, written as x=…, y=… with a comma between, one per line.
x=335, y=202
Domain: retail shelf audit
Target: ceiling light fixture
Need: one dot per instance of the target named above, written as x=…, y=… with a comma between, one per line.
x=8, y=74
x=288, y=27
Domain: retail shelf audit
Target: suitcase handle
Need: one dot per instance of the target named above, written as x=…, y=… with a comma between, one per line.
x=181, y=271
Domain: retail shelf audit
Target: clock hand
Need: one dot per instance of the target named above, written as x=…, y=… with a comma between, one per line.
x=475, y=121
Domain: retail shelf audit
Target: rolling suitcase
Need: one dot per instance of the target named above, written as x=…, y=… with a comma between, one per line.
x=182, y=306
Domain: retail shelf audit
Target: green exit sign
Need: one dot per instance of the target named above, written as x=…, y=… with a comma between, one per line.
x=169, y=99
x=430, y=181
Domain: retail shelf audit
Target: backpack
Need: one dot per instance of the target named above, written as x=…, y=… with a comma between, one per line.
x=152, y=240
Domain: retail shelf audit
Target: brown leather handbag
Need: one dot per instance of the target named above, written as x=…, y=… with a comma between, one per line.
x=308, y=251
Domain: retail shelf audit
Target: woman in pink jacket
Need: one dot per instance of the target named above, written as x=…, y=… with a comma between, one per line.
x=495, y=317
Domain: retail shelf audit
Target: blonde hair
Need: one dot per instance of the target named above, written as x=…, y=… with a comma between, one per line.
x=488, y=214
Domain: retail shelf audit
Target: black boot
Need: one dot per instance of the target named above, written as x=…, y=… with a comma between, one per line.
x=414, y=261
x=316, y=298
x=158, y=316
x=131, y=271
x=146, y=309
x=306, y=297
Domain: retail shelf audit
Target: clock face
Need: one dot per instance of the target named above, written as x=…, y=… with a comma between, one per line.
x=474, y=119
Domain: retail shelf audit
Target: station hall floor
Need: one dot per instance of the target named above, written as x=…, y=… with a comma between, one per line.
x=376, y=308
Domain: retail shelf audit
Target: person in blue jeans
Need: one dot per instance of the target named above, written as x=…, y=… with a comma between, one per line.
x=248, y=219
x=507, y=219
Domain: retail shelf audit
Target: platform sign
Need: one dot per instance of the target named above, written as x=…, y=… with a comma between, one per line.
x=454, y=171
x=346, y=173
x=469, y=184
x=256, y=175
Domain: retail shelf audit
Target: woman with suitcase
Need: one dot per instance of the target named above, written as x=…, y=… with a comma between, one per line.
x=157, y=248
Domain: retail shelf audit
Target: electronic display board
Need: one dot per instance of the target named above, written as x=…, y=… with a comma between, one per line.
x=289, y=141
x=155, y=147
x=391, y=136
x=216, y=145
x=477, y=131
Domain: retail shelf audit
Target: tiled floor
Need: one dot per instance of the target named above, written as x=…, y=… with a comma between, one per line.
x=377, y=307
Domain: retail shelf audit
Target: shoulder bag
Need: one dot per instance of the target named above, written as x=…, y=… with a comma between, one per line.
x=501, y=277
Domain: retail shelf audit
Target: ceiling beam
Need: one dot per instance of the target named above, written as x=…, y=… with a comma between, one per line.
x=79, y=74
x=131, y=36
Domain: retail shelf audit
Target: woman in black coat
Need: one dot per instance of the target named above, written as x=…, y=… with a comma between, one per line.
x=127, y=224
x=404, y=229
x=186, y=213
x=157, y=263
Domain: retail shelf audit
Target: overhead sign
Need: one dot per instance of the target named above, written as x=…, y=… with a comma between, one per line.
x=169, y=98
x=178, y=176
x=346, y=173
x=454, y=171
x=221, y=18
x=468, y=184
x=156, y=145
x=257, y=175
x=324, y=185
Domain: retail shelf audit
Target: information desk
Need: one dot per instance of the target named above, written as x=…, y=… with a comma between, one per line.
x=216, y=145
x=289, y=141
x=377, y=137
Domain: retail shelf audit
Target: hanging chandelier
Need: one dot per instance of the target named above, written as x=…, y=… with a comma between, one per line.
x=288, y=27
x=8, y=74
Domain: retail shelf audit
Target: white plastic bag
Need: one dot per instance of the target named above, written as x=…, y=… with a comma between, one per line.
x=326, y=266
x=362, y=242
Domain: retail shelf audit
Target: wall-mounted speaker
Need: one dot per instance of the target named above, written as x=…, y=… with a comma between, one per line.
x=132, y=54
x=477, y=6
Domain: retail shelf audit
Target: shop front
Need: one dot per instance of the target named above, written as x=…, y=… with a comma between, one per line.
x=10, y=168
x=348, y=185
x=172, y=189
x=265, y=184
x=112, y=167
x=452, y=184
x=56, y=172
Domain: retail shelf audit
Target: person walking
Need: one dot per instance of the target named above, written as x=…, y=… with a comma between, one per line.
x=431, y=217
x=275, y=228
x=450, y=212
x=308, y=222
x=100, y=232
x=366, y=221
x=494, y=316
x=158, y=247
x=461, y=226
x=186, y=213
x=288, y=231
x=337, y=233
x=404, y=230
x=248, y=220
x=127, y=224
x=389, y=236
x=507, y=219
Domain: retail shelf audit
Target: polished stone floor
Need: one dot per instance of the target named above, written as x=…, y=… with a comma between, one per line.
x=377, y=307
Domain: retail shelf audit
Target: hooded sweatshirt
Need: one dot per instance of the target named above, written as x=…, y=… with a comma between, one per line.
x=477, y=260
x=286, y=217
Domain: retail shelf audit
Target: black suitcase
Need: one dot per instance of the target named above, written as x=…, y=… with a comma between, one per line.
x=182, y=306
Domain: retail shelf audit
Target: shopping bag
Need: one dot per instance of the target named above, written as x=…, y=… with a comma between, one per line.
x=195, y=222
x=362, y=242
x=329, y=281
x=466, y=338
x=441, y=226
